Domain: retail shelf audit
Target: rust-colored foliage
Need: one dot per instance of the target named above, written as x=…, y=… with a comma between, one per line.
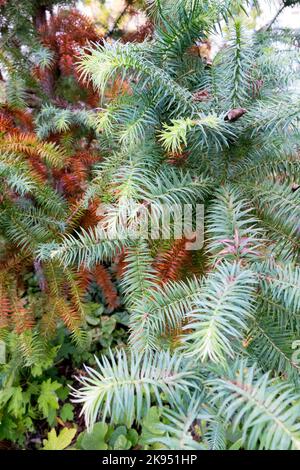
x=69, y=314
x=65, y=34
x=83, y=279
x=74, y=176
x=48, y=164
x=106, y=284
x=119, y=265
x=62, y=162
x=91, y=217
x=169, y=264
x=6, y=123
x=15, y=120
x=5, y=308
x=21, y=316
x=177, y=158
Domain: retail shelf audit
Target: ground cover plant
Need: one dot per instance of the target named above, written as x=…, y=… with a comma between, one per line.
x=144, y=342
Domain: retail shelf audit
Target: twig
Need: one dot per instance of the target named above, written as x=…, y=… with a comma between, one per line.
x=270, y=24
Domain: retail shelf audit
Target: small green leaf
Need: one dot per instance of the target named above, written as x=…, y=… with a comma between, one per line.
x=92, y=320
x=133, y=436
x=150, y=428
x=93, y=309
x=108, y=325
x=17, y=403
x=63, y=393
x=151, y=420
x=117, y=432
x=59, y=442
x=122, y=318
x=95, y=440
x=66, y=412
x=122, y=443
x=48, y=399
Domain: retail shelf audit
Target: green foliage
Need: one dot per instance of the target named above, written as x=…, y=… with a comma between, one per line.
x=221, y=313
x=51, y=120
x=161, y=308
x=94, y=440
x=123, y=388
x=176, y=431
x=104, y=437
x=48, y=400
x=266, y=408
x=21, y=405
x=66, y=412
